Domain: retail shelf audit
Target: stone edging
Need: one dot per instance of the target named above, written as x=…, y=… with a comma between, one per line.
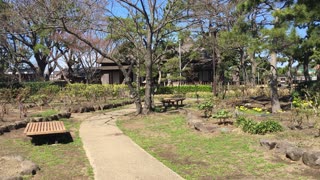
x=23, y=123
x=292, y=152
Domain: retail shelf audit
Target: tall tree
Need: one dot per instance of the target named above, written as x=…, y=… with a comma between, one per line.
x=25, y=23
x=215, y=16
x=274, y=33
x=151, y=23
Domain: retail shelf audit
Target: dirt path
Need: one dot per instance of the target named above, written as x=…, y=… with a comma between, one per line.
x=114, y=155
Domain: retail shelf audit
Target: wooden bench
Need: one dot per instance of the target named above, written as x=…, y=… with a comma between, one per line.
x=44, y=128
x=168, y=102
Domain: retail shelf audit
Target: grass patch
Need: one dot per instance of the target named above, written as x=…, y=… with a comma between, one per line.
x=57, y=161
x=195, y=155
x=46, y=113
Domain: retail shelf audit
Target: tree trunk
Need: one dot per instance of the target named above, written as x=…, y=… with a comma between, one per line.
x=42, y=63
x=148, y=88
x=19, y=74
x=237, y=75
x=243, y=68
x=306, y=68
x=134, y=93
x=290, y=79
x=160, y=76
x=214, y=62
x=63, y=73
x=254, y=66
x=275, y=103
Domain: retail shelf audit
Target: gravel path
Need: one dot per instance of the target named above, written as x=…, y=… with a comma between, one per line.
x=114, y=155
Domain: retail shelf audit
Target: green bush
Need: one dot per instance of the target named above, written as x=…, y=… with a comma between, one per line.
x=36, y=86
x=95, y=92
x=183, y=89
x=200, y=94
x=222, y=114
x=10, y=85
x=268, y=126
x=7, y=95
x=45, y=95
x=253, y=127
x=247, y=125
x=120, y=90
x=206, y=107
x=75, y=91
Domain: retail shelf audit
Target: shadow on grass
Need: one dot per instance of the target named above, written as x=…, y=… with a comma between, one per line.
x=61, y=138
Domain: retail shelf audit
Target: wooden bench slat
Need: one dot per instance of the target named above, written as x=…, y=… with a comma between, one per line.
x=33, y=128
x=56, y=126
x=25, y=130
x=61, y=125
x=51, y=127
x=47, y=125
x=41, y=128
x=38, y=127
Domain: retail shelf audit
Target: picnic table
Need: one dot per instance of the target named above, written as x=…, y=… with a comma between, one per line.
x=169, y=102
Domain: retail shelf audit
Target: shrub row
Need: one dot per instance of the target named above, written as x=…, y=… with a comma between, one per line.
x=205, y=91
x=183, y=89
x=254, y=127
x=205, y=95
x=96, y=91
x=42, y=93
x=36, y=86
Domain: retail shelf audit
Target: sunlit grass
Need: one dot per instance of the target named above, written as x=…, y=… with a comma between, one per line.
x=195, y=155
x=46, y=113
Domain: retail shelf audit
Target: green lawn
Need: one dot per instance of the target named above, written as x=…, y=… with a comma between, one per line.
x=196, y=155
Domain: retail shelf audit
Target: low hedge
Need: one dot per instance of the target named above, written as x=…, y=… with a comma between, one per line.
x=199, y=94
x=183, y=89
x=36, y=86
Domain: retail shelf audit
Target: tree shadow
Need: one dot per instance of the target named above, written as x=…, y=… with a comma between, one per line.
x=48, y=139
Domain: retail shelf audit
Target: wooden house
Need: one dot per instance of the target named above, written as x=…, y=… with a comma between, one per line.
x=110, y=72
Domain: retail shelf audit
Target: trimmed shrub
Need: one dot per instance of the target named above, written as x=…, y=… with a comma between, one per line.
x=45, y=95
x=36, y=86
x=183, y=89
x=253, y=127
x=200, y=94
x=95, y=92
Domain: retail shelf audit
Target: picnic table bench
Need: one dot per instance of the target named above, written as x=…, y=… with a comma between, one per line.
x=44, y=128
x=168, y=102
